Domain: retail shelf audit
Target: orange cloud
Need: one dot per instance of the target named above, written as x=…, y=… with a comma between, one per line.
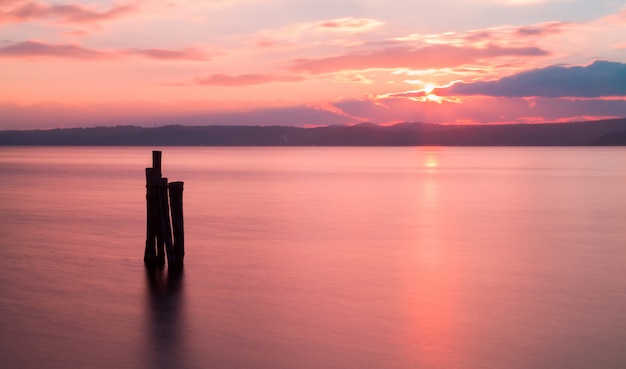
x=349, y=25
x=500, y=35
x=167, y=54
x=434, y=56
x=479, y=109
x=23, y=11
x=243, y=79
x=14, y=116
x=37, y=49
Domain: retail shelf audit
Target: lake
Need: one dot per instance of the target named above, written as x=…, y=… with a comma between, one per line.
x=320, y=258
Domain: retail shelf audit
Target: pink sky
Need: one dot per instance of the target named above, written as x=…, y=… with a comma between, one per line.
x=307, y=63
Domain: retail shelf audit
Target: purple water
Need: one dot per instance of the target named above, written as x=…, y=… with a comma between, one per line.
x=317, y=258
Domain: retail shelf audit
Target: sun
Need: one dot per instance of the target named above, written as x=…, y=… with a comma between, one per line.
x=430, y=96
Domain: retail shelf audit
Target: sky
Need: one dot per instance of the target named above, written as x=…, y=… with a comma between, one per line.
x=309, y=62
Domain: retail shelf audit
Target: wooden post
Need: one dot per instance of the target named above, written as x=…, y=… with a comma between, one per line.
x=154, y=255
x=156, y=163
x=166, y=228
x=176, y=206
x=156, y=215
x=150, y=255
x=159, y=241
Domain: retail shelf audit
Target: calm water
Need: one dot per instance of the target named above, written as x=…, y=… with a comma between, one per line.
x=320, y=258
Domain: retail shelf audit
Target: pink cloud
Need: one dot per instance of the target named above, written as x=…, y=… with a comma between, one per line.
x=76, y=33
x=167, y=54
x=345, y=31
x=266, y=43
x=24, y=11
x=500, y=35
x=13, y=116
x=349, y=24
x=243, y=79
x=480, y=109
x=516, y=34
x=349, y=111
x=434, y=56
x=550, y=28
x=37, y=49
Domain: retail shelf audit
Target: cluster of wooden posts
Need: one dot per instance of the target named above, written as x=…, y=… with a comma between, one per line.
x=164, y=237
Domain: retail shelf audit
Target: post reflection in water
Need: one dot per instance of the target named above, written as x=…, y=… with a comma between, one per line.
x=164, y=311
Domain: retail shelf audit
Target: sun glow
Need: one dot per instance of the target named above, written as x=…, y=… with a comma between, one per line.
x=430, y=96
x=431, y=159
x=434, y=98
x=428, y=88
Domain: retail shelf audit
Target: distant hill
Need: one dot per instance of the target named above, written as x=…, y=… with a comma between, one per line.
x=603, y=132
x=611, y=139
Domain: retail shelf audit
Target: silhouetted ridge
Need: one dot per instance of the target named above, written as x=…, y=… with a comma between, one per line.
x=604, y=132
x=611, y=139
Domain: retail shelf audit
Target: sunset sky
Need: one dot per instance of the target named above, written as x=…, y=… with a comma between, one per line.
x=309, y=62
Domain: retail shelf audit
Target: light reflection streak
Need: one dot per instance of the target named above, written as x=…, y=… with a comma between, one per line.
x=431, y=161
x=430, y=278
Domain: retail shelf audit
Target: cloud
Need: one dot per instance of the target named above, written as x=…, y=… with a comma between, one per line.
x=513, y=3
x=520, y=2
x=24, y=11
x=499, y=35
x=411, y=94
x=600, y=79
x=340, y=25
x=34, y=49
x=336, y=32
x=13, y=116
x=167, y=54
x=37, y=49
x=243, y=79
x=481, y=109
x=349, y=25
x=433, y=56
x=543, y=29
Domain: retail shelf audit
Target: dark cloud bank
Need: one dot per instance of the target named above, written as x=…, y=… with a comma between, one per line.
x=600, y=79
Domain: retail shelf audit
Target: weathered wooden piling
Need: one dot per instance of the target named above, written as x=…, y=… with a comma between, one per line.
x=159, y=225
x=166, y=228
x=176, y=205
x=156, y=163
x=155, y=252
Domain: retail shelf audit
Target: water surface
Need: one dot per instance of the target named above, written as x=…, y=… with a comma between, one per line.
x=317, y=258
